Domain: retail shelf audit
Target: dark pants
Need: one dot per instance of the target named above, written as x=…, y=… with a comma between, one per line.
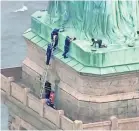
x=55, y=43
x=48, y=59
x=99, y=42
x=48, y=102
x=47, y=94
x=66, y=50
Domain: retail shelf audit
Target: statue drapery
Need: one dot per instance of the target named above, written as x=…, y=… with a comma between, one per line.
x=112, y=20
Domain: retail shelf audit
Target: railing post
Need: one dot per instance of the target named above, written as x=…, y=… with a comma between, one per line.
x=42, y=107
x=78, y=125
x=114, y=123
x=61, y=113
x=26, y=91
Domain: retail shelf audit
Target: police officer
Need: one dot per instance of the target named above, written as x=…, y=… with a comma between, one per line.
x=54, y=36
x=48, y=53
x=47, y=87
x=68, y=40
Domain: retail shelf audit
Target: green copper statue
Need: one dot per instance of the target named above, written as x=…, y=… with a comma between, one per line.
x=114, y=21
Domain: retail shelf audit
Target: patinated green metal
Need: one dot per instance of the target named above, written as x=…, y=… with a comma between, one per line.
x=115, y=22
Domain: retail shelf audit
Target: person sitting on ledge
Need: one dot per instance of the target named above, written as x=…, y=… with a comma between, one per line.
x=68, y=40
x=48, y=53
x=50, y=101
x=54, y=37
x=99, y=42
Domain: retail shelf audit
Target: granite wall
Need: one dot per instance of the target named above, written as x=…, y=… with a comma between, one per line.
x=85, y=97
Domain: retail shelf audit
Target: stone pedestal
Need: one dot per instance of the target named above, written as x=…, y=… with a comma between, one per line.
x=90, y=86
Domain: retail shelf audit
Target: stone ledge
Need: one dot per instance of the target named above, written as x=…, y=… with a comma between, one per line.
x=80, y=48
x=75, y=65
x=30, y=64
x=31, y=112
x=98, y=99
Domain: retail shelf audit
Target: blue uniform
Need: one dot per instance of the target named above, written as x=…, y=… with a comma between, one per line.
x=48, y=53
x=66, y=47
x=55, y=32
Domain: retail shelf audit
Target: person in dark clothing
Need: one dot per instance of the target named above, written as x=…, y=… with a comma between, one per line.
x=47, y=87
x=68, y=40
x=54, y=37
x=50, y=101
x=99, y=42
x=48, y=53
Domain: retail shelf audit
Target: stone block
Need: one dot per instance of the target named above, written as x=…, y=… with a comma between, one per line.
x=83, y=111
x=17, y=92
x=30, y=72
x=113, y=111
x=52, y=115
x=113, y=104
x=34, y=103
x=85, y=118
x=123, y=115
x=94, y=113
x=78, y=125
x=114, y=123
x=132, y=109
x=137, y=103
x=66, y=123
x=132, y=114
x=26, y=91
x=104, y=118
x=122, y=110
x=85, y=104
x=131, y=102
x=104, y=112
x=123, y=103
x=36, y=54
x=104, y=106
x=137, y=111
x=68, y=104
x=94, y=106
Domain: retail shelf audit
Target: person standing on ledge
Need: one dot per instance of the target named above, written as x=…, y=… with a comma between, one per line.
x=68, y=40
x=49, y=53
x=54, y=37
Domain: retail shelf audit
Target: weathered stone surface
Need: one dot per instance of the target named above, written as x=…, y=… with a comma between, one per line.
x=113, y=104
x=97, y=86
x=90, y=111
x=122, y=110
x=36, y=54
x=29, y=116
x=68, y=104
x=131, y=102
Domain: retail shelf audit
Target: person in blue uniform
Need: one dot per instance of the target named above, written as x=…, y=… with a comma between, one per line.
x=68, y=40
x=54, y=36
x=48, y=53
